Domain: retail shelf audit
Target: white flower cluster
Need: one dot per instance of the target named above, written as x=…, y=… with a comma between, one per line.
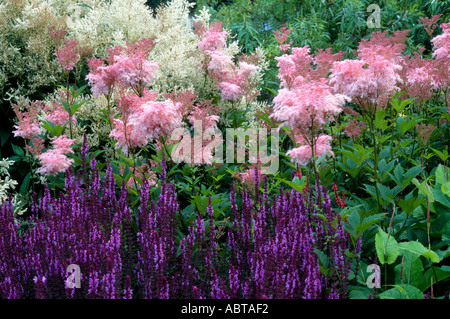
x=6, y=183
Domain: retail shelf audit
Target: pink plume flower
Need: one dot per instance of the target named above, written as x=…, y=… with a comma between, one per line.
x=303, y=154
x=230, y=91
x=127, y=136
x=156, y=119
x=308, y=107
x=68, y=55
x=58, y=115
x=54, y=160
x=441, y=43
x=213, y=39
x=28, y=125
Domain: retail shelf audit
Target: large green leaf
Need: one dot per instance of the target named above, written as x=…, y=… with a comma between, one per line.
x=386, y=247
x=418, y=249
x=411, y=270
x=402, y=292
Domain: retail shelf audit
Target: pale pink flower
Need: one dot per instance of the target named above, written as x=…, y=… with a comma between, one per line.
x=68, y=55
x=54, y=160
x=303, y=154
x=156, y=119
x=134, y=72
x=184, y=99
x=28, y=125
x=203, y=114
x=368, y=85
x=230, y=91
x=58, y=115
x=441, y=43
x=63, y=144
x=307, y=107
x=220, y=61
x=214, y=39
x=133, y=138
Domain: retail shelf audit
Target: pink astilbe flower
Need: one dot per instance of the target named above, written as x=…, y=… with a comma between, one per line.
x=101, y=77
x=206, y=112
x=281, y=37
x=303, y=154
x=28, y=125
x=370, y=86
x=156, y=119
x=36, y=147
x=213, y=39
x=389, y=47
x=58, y=115
x=308, y=107
x=230, y=91
x=430, y=23
x=301, y=66
x=184, y=99
x=353, y=129
x=54, y=160
x=419, y=78
x=68, y=54
x=134, y=71
x=126, y=135
x=441, y=52
x=125, y=67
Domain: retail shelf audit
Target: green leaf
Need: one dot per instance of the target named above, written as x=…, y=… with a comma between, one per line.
x=402, y=292
x=418, y=249
x=412, y=268
x=25, y=184
x=17, y=150
x=442, y=174
x=423, y=189
x=386, y=247
x=298, y=185
x=379, y=121
x=438, y=274
x=445, y=188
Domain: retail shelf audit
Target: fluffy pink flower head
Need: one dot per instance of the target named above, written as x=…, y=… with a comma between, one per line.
x=101, y=77
x=230, y=91
x=441, y=44
x=58, y=115
x=308, y=107
x=390, y=47
x=134, y=72
x=55, y=160
x=156, y=119
x=370, y=86
x=63, y=144
x=220, y=61
x=303, y=154
x=127, y=136
x=68, y=54
x=185, y=99
x=214, y=39
x=28, y=123
x=206, y=113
